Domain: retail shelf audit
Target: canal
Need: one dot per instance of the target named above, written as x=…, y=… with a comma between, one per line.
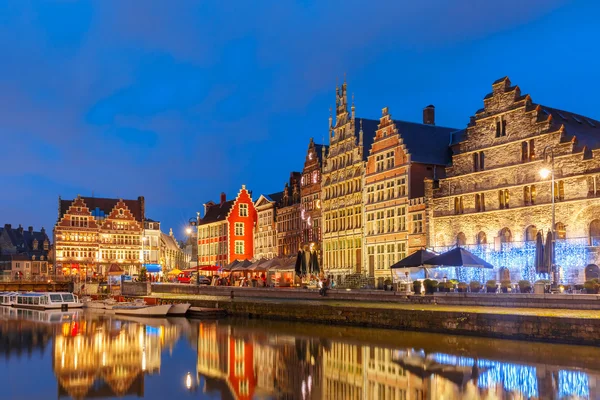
x=83, y=355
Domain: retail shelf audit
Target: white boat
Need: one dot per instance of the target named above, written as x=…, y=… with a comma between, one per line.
x=8, y=298
x=47, y=301
x=99, y=304
x=179, y=309
x=139, y=307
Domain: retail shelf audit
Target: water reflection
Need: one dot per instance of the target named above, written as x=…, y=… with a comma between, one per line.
x=103, y=356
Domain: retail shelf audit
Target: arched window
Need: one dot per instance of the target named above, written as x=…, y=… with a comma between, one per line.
x=505, y=235
x=595, y=232
x=530, y=233
x=561, y=230
x=481, y=238
x=461, y=239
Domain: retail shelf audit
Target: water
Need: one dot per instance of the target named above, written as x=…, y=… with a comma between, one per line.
x=84, y=355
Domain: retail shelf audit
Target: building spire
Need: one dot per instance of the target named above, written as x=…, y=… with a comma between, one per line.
x=353, y=108
x=360, y=134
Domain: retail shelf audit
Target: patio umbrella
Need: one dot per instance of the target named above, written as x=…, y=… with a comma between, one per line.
x=548, y=253
x=539, y=254
x=174, y=272
x=416, y=259
x=459, y=257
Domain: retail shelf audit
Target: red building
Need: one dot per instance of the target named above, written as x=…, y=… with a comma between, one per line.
x=226, y=232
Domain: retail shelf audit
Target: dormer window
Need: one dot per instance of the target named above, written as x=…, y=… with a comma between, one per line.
x=33, y=258
x=46, y=245
x=35, y=244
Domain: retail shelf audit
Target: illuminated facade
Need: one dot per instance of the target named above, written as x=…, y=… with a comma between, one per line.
x=310, y=194
x=342, y=189
x=493, y=199
x=92, y=234
x=402, y=155
x=289, y=231
x=226, y=232
x=265, y=234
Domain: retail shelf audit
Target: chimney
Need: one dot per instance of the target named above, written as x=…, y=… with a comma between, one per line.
x=30, y=229
x=20, y=229
x=43, y=231
x=223, y=198
x=429, y=115
x=7, y=226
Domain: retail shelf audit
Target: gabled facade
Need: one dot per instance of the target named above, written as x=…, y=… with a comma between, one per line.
x=92, y=233
x=402, y=155
x=310, y=193
x=213, y=233
x=494, y=200
x=241, y=221
x=342, y=189
x=289, y=232
x=24, y=253
x=265, y=234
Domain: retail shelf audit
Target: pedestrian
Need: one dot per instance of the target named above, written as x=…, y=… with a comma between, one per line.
x=320, y=285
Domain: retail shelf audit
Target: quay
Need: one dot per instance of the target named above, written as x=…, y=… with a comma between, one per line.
x=412, y=313
x=35, y=286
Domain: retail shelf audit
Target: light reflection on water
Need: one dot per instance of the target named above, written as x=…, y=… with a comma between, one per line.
x=94, y=355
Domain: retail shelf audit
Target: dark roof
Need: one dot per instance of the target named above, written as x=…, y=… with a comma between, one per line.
x=218, y=212
x=276, y=197
x=150, y=220
x=426, y=144
x=319, y=151
x=585, y=129
x=22, y=239
x=500, y=80
x=106, y=205
x=458, y=136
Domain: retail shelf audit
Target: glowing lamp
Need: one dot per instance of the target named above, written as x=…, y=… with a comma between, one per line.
x=188, y=231
x=545, y=173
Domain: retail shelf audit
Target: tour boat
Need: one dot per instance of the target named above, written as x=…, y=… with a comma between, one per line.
x=139, y=307
x=179, y=309
x=99, y=304
x=47, y=301
x=8, y=298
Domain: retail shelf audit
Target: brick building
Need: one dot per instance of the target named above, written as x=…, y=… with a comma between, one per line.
x=265, y=234
x=402, y=155
x=342, y=189
x=226, y=232
x=93, y=233
x=24, y=253
x=493, y=199
x=310, y=195
x=289, y=231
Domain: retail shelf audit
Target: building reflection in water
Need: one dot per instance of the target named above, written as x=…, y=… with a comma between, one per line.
x=241, y=363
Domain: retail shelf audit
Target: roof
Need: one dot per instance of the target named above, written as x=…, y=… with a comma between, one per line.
x=585, y=129
x=106, y=205
x=426, y=143
x=217, y=212
x=22, y=239
x=319, y=151
x=170, y=242
x=276, y=197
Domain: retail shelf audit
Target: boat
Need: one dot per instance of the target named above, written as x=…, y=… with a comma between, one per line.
x=8, y=298
x=99, y=304
x=139, y=307
x=179, y=309
x=47, y=301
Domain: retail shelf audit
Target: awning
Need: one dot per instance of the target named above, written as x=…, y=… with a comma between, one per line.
x=212, y=268
x=153, y=268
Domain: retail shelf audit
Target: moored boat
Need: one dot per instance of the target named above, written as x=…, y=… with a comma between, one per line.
x=47, y=301
x=142, y=310
x=8, y=298
x=99, y=304
x=179, y=309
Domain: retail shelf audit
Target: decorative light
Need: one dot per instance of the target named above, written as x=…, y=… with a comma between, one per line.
x=188, y=381
x=545, y=173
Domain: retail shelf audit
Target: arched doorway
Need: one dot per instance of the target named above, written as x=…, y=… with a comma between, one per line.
x=592, y=272
x=595, y=232
x=505, y=235
x=481, y=238
x=461, y=239
x=504, y=274
x=530, y=233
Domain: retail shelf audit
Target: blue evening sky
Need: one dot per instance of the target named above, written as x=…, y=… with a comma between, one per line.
x=180, y=100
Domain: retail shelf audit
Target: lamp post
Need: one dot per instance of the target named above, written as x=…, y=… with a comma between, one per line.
x=544, y=173
x=188, y=230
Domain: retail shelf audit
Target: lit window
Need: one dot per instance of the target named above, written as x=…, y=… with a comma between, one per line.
x=239, y=247
x=239, y=229
x=243, y=210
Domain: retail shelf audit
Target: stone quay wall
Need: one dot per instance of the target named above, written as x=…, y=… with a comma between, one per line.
x=136, y=288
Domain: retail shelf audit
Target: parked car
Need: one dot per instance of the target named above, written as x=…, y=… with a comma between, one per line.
x=185, y=277
x=204, y=280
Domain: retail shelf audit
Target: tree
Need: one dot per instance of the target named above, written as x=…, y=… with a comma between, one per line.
x=143, y=274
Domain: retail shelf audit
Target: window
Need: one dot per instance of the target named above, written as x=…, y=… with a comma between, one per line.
x=475, y=162
x=503, y=198
x=559, y=191
x=505, y=235
x=497, y=128
x=371, y=195
x=500, y=127
x=239, y=247
x=379, y=163
x=530, y=233
x=481, y=238
x=239, y=229
x=401, y=218
x=243, y=210
x=401, y=187
x=561, y=231
x=391, y=221
x=417, y=223
x=480, y=202
x=461, y=239
x=401, y=251
x=458, y=205
x=481, y=161
x=529, y=194
x=389, y=160
x=524, y=152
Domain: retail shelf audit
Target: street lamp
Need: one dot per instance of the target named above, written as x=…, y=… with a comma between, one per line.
x=544, y=173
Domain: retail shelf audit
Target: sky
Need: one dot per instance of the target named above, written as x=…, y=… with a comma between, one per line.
x=180, y=101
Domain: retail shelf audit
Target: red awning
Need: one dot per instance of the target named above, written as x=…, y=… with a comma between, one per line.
x=212, y=268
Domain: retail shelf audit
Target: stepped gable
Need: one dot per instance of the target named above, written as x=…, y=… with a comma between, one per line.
x=136, y=207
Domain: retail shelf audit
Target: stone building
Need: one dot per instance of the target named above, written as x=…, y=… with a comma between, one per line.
x=402, y=155
x=310, y=195
x=494, y=200
x=171, y=254
x=93, y=233
x=289, y=232
x=226, y=232
x=24, y=253
x=151, y=243
x=265, y=234
x=342, y=189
